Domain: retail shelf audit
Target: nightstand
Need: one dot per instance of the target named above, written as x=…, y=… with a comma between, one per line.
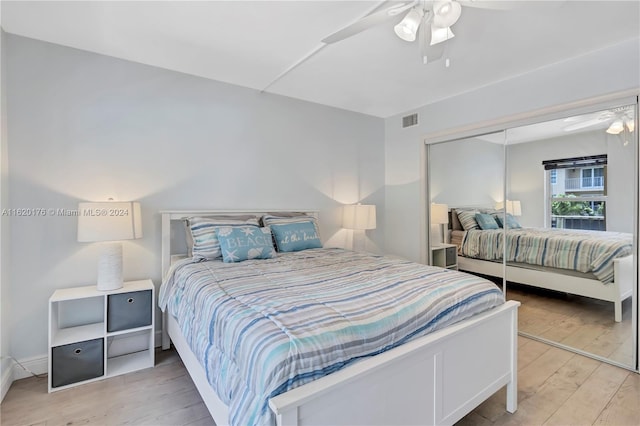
x=96, y=334
x=445, y=256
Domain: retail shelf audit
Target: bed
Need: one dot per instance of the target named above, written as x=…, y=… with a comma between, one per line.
x=418, y=373
x=594, y=264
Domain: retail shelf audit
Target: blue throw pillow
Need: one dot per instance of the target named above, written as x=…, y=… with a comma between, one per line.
x=486, y=221
x=240, y=243
x=202, y=241
x=512, y=223
x=296, y=236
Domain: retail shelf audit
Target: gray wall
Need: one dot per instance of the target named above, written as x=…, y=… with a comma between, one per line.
x=88, y=127
x=467, y=172
x=606, y=71
x=5, y=332
x=526, y=175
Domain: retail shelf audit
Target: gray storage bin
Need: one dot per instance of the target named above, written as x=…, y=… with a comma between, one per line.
x=450, y=255
x=77, y=362
x=128, y=310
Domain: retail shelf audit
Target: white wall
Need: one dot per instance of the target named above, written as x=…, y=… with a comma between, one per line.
x=613, y=69
x=87, y=127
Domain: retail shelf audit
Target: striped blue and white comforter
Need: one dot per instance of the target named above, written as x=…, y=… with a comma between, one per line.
x=576, y=250
x=262, y=327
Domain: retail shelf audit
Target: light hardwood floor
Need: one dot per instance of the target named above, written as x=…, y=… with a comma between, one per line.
x=579, y=322
x=164, y=395
x=555, y=387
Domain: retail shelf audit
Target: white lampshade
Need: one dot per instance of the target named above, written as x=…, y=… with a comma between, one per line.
x=439, y=214
x=446, y=13
x=109, y=221
x=631, y=125
x=438, y=35
x=513, y=207
x=408, y=27
x=616, y=127
x=359, y=216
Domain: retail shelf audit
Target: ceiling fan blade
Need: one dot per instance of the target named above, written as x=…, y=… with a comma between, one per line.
x=573, y=119
x=368, y=22
x=511, y=4
x=584, y=124
x=490, y=4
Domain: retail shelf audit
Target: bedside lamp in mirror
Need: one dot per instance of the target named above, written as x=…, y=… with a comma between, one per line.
x=513, y=207
x=440, y=216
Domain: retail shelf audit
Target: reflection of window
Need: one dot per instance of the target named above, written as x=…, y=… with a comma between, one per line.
x=592, y=177
x=586, y=178
x=576, y=193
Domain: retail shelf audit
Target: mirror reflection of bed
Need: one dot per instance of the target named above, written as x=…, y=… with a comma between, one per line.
x=570, y=213
x=580, y=322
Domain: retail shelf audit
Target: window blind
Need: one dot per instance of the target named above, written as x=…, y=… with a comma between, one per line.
x=571, y=163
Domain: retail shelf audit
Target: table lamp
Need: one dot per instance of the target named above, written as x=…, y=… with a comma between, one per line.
x=359, y=217
x=440, y=216
x=109, y=222
x=513, y=207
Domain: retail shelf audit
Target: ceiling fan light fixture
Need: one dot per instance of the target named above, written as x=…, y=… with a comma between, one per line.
x=616, y=127
x=438, y=35
x=631, y=125
x=408, y=27
x=446, y=13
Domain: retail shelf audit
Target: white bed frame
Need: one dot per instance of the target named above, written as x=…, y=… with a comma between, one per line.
x=617, y=291
x=436, y=379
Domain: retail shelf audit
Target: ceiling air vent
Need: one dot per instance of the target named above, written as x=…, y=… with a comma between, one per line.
x=409, y=120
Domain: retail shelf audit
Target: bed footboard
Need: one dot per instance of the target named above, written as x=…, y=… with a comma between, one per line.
x=617, y=291
x=623, y=283
x=437, y=379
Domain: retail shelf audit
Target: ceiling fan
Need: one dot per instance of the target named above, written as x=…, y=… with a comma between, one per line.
x=429, y=21
x=616, y=118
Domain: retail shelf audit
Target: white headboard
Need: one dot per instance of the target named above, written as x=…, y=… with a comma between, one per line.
x=174, y=234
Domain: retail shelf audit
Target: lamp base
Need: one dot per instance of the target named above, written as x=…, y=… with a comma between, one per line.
x=359, y=240
x=110, y=267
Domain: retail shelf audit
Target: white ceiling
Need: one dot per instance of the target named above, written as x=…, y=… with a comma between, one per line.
x=250, y=43
x=598, y=121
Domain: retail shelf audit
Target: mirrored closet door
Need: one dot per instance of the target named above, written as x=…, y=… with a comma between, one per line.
x=466, y=176
x=561, y=208
x=572, y=191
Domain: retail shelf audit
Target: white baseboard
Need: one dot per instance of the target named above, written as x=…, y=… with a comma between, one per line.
x=38, y=365
x=13, y=371
x=7, y=378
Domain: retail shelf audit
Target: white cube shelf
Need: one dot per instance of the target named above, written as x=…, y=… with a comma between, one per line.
x=78, y=317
